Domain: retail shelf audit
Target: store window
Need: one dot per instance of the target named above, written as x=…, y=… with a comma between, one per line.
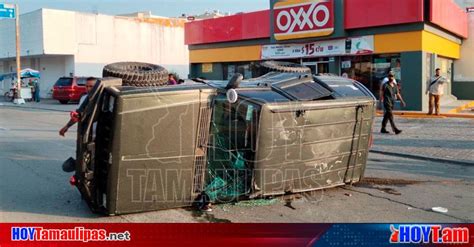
x=248, y=70
x=446, y=66
x=371, y=70
x=317, y=65
x=358, y=68
x=429, y=67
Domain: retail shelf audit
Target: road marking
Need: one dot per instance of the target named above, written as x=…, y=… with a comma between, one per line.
x=462, y=108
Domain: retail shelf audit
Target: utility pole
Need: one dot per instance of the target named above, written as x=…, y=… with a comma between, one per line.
x=18, y=99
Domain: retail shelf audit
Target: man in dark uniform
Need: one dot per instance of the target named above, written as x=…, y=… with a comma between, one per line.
x=390, y=94
x=69, y=164
x=90, y=83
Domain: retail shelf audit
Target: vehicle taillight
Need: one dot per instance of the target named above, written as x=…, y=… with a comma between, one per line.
x=73, y=180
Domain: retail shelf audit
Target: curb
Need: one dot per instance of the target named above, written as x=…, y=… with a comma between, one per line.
x=422, y=157
x=30, y=107
x=407, y=114
x=462, y=108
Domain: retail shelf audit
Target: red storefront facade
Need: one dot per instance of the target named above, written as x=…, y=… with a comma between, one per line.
x=411, y=36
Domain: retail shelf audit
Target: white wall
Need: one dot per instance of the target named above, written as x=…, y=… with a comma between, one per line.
x=59, y=32
x=65, y=42
x=31, y=35
x=106, y=39
x=463, y=68
x=52, y=67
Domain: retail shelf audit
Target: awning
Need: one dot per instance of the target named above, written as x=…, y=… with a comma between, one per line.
x=26, y=73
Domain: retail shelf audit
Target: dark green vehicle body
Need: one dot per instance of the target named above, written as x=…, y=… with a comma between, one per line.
x=144, y=149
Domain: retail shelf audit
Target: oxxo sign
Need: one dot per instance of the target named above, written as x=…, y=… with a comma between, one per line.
x=296, y=19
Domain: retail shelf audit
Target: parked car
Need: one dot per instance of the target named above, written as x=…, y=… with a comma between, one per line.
x=69, y=89
x=143, y=148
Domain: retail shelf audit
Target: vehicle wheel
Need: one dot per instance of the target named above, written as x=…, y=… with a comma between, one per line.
x=8, y=97
x=137, y=74
x=285, y=67
x=64, y=102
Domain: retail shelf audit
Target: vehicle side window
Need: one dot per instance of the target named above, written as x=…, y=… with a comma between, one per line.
x=236, y=123
x=81, y=81
x=232, y=148
x=64, y=82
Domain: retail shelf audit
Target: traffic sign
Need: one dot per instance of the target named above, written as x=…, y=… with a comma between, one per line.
x=7, y=11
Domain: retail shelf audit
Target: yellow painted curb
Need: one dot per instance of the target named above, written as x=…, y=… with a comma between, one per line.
x=458, y=115
x=407, y=114
x=462, y=108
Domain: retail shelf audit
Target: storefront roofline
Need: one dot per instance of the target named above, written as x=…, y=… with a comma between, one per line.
x=352, y=33
x=445, y=14
x=383, y=43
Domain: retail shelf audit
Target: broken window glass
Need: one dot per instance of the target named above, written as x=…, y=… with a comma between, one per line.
x=232, y=149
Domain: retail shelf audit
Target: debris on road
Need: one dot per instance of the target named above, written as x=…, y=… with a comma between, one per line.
x=289, y=205
x=388, y=181
x=348, y=194
x=390, y=191
x=256, y=203
x=439, y=210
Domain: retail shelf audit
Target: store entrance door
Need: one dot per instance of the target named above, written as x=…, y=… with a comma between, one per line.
x=318, y=67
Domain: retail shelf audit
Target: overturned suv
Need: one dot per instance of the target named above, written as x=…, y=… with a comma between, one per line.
x=142, y=146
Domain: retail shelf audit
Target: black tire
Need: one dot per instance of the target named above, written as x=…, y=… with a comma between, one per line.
x=286, y=67
x=7, y=97
x=137, y=74
x=64, y=102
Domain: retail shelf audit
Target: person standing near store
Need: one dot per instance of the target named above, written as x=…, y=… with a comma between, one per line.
x=435, y=89
x=172, y=80
x=36, y=86
x=390, y=95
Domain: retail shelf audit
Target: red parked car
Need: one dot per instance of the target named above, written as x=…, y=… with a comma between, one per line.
x=69, y=89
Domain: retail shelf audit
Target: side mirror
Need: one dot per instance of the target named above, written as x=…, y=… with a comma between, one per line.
x=232, y=96
x=235, y=81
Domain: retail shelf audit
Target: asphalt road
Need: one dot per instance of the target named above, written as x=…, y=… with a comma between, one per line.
x=33, y=187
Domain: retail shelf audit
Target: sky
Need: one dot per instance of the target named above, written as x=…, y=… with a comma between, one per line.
x=169, y=8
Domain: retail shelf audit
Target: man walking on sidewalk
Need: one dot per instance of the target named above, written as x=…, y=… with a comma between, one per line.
x=390, y=94
x=436, y=90
x=385, y=81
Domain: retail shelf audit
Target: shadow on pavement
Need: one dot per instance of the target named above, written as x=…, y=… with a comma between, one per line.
x=417, y=167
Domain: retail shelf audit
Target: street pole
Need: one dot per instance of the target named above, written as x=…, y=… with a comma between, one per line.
x=18, y=99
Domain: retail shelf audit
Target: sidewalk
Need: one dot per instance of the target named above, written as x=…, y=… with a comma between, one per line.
x=45, y=104
x=448, y=140
x=451, y=109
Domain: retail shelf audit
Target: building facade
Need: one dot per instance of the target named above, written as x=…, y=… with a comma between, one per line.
x=65, y=43
x=463, y=81
x=361, y=39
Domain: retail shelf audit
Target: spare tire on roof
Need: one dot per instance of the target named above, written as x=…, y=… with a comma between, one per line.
x=137, y=74
x=286, y=67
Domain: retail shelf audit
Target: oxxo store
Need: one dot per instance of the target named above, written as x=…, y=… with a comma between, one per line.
x=361, y=39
